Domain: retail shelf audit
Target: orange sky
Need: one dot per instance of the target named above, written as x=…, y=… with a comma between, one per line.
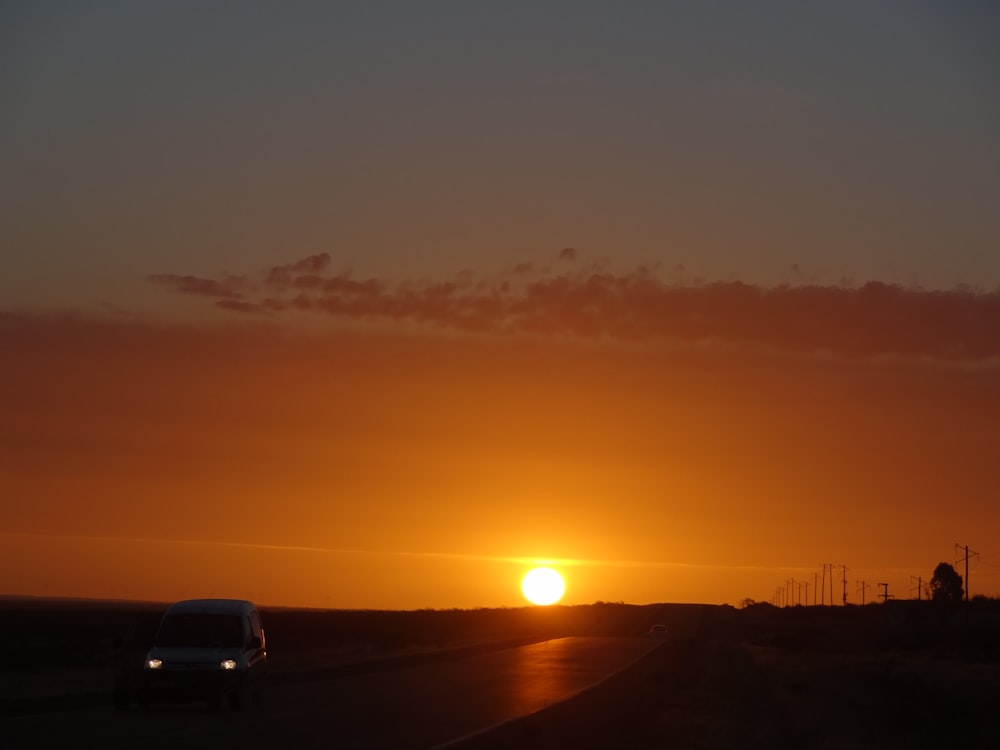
x=398, y=462
x=302, y=358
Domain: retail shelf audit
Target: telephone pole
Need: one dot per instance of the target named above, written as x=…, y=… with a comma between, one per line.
x=844, y=580
x=920, y=586
x=863, y=587
x=968, y=552
x=831, y=566
x=885, y=592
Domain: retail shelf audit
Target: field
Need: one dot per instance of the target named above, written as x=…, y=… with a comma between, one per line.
x=901, y=674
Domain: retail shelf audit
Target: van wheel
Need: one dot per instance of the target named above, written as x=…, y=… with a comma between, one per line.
x=239, y=699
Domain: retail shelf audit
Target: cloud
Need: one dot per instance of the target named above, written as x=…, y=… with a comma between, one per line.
x=294, y=273
x=226, y=287
x=632, y=306
x=459, y=556
x=240, y=306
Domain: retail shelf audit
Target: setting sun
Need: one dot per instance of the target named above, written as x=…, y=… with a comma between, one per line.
x=543, y=586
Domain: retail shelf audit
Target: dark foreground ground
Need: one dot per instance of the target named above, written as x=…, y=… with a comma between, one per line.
x=901, y=674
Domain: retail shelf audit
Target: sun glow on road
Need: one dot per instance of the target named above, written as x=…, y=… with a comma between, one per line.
x=543, y=586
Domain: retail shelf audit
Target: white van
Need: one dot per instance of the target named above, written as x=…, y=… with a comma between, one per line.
x=207, y=649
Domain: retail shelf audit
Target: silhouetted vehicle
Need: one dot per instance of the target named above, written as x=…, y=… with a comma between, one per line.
x=657, y=631
x=207, y=649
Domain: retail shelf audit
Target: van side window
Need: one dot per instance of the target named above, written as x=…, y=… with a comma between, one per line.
x=256, y=631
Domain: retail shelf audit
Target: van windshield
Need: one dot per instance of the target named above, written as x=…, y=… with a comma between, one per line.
x=196, y=630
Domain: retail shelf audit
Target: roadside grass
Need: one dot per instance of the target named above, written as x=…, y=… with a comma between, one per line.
x=912, y=700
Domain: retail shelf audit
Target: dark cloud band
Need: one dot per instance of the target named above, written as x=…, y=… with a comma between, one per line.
x=637, y=305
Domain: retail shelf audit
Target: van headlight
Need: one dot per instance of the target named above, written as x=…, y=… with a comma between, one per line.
x=154, y=664
x=227, y=664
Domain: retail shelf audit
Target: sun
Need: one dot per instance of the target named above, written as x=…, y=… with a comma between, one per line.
x=543, y=586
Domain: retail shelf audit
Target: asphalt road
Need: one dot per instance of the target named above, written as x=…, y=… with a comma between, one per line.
x=413, y=707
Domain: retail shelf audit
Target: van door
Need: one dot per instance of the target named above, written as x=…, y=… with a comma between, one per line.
x=257, y=649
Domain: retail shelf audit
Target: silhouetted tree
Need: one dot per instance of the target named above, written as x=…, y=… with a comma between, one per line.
x=946, y=584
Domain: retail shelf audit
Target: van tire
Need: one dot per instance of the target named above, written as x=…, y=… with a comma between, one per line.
x=239, y=699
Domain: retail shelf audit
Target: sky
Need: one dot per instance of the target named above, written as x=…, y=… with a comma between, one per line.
x=379, y=305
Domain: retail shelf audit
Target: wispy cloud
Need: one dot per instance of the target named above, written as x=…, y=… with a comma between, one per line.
x=458, y=556
x=593, y=302
x=226, y=287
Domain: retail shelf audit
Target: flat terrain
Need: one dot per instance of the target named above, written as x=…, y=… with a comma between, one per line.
x=901, y=674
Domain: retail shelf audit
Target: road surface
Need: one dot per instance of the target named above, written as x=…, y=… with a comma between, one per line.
x=416, y=707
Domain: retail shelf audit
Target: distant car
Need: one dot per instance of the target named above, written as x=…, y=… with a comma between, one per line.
x=657, y=631
x=207, y=649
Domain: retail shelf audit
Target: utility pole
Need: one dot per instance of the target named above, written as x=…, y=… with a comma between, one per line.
x=920, y=587
x=968, y=552
x=863, y=587
x=799, y=586
x=885, y=592
x=815, y=576
x=845, y=583
x=830, y=566
x=823, y=590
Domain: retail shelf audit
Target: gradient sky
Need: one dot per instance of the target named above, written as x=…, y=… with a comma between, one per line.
x=374, y=305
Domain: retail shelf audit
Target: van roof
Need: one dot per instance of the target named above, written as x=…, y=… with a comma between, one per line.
x=212, y=607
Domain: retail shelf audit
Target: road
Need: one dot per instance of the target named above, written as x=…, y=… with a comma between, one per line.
x=416, y=707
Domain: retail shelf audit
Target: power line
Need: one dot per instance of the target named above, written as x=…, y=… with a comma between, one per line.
x=885, y=592
x=968, y=552
x=863, y=587
x=831, y=567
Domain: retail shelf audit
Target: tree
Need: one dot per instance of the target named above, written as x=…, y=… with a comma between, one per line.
x=946, y=584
